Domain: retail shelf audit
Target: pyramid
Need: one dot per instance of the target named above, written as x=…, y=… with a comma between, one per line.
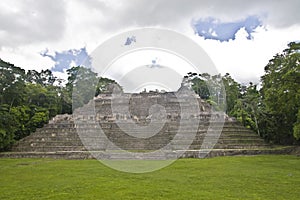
x=146, y=125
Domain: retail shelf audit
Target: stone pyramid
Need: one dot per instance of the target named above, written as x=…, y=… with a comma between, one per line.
x=124, y=121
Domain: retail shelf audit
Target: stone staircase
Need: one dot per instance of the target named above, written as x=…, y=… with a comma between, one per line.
x=61, y=140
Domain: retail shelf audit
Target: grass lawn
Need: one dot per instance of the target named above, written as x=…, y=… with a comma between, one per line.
x=249, y=177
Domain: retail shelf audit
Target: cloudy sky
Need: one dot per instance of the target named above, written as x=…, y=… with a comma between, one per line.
x=239, y=36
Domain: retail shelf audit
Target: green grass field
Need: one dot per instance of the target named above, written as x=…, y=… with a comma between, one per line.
x=248, y=177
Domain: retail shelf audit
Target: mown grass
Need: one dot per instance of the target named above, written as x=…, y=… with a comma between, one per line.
x=249, y=177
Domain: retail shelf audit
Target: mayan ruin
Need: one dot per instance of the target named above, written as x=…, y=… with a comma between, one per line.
x=59, y=138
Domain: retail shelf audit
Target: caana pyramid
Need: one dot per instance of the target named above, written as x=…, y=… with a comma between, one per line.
x=146, y=125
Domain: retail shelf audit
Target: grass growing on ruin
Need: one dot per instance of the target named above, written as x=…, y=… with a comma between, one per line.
x=252, y=177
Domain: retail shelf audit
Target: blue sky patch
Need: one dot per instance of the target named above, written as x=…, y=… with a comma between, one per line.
x=69, y=58
x=130, y=40
x=154, y=63
x=212, y=28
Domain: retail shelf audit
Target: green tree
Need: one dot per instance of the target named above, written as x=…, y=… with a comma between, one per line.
x=252, y=102
x=84, y=84
x=21, y=115
x=45, y=77
x=12, y=84
x=7, y=127
x=209, y=87
x=102, y=85
x=280, y=95
x=247, y=107
x=233, y=92
x=81, y=86
x=27, y=101
x=296, y=130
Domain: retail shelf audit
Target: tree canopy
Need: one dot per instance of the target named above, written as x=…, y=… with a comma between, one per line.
x=29, y=99
x=280, y=95
x=273, y=111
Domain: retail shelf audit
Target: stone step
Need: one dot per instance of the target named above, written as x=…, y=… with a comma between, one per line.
x=116, y=134
x=184, y=154
x=132, y=143
x=232, y=152
x=52, y=143
x=71, y=136
x=176, y=144
x=229, y=143
x=139, y=156
x=48, y=148
x=55, y=155
x=220, y=146
x=237, y=131
x=55, y=134
x=51, y=139
x=240, y=141
x=200, y=136
x=116, y=128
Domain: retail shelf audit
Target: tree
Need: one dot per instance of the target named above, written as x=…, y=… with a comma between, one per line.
x=252, y=102
x=233, y=92
x=281, y=95
x=27, y=101
x=209, y=87
x=12, y=84
x=102, y=85
x=82, y=85
x=21, y=115
x=7, y=127
x=44, y=78
x=200, y=87
x=296, y=130
x=247, y=107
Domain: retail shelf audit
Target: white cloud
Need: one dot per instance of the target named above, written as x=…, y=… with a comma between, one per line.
x=30, y=22
x=26, y=57
x=245, y=59
x=29, y=27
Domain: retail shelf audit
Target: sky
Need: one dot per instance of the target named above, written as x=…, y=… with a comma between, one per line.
x=239, y=36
